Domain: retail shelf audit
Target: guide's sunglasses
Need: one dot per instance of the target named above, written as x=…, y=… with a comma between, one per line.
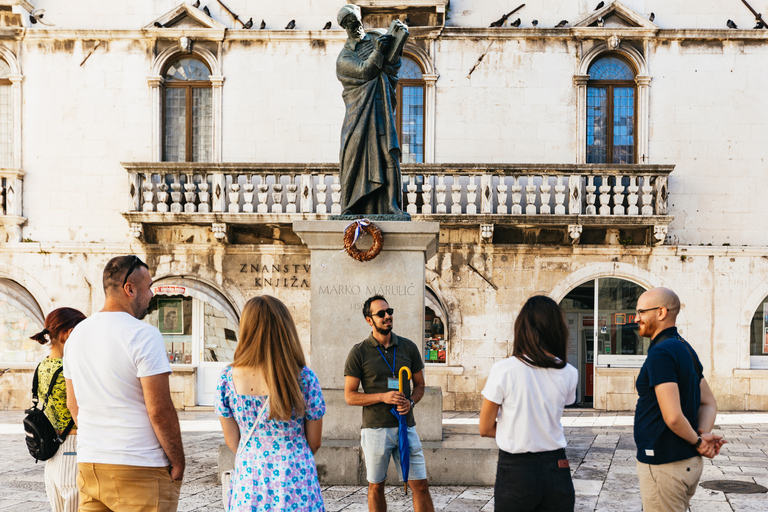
x=135, y=263
x=383, y=312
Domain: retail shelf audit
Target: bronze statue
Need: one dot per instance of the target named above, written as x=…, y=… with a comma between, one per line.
x=367, y=67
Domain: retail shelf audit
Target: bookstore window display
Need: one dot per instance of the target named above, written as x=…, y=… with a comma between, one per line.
x=758, y=336
x=435, y=330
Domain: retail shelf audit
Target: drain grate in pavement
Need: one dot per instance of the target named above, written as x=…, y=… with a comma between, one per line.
x=736, y=486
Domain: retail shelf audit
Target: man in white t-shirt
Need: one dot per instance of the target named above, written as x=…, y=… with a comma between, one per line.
x=117, y=373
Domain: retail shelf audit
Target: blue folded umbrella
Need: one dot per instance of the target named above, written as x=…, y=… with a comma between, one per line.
x=403, y=445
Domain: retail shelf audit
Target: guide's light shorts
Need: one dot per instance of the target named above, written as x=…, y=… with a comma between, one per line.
x=379, y=444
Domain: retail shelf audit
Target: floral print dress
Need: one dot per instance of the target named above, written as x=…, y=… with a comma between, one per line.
x=275, y=470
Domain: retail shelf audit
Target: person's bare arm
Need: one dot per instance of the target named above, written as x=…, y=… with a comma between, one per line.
x=165, y=421
x=707, y=408
x=488, y=414
x=353, y=397
x=231, y=432
x=71, y=400
x=668, y=396
x=313, y=429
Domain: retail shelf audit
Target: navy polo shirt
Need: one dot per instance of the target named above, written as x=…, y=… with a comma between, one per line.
x=670, y=359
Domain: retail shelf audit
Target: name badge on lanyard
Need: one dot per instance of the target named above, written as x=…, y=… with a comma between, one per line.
x=392, y=382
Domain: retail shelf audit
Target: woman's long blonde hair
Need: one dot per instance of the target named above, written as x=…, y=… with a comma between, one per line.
x=269, y=342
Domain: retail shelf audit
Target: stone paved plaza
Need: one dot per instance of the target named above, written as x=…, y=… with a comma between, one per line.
x=600, y=449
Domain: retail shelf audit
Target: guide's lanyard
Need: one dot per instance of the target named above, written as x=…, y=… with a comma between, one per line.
x=394, y=357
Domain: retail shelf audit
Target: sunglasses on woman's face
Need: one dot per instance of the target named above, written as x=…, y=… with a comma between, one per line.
x=383, y=312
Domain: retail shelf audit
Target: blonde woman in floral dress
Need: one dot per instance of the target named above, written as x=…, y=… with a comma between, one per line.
x=271, y=409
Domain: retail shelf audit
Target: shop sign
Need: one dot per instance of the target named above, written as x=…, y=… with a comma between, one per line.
x=170, y=290
x=270, y=272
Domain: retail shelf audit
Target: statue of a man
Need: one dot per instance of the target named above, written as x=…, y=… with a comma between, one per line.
x=370, y=153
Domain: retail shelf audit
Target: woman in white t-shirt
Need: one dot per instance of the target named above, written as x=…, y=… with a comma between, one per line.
x=523, y=403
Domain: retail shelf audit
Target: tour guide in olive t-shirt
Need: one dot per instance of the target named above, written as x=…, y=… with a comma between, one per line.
x=371, y=362
x=375, y=363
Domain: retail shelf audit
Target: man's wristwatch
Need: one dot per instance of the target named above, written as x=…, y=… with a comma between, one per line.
x=412, y=404
x=698, y=442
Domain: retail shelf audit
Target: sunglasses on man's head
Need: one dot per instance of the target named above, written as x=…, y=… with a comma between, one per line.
x=383, y=312
x=135, y=263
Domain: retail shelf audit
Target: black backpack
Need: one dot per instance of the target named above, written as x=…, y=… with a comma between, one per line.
x=42, y=440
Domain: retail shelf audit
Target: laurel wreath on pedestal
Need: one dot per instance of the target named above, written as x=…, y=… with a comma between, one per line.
x=353, y=233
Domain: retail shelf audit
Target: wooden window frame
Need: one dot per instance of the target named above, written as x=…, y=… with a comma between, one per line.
x=609, y=85
x=189, y=85
x=409, y=82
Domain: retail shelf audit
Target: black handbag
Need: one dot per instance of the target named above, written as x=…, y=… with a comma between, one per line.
x=42, y=439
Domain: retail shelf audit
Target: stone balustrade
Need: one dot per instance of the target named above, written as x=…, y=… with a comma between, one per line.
x=485, y=194
x=11, y=189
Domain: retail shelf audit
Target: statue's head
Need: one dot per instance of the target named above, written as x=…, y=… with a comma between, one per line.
x=351, y=19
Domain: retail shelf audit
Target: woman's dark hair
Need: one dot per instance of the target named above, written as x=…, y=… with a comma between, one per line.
x=58, y=321
x=540, y=327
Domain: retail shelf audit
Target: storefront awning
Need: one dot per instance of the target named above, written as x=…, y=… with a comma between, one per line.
x=20, y=298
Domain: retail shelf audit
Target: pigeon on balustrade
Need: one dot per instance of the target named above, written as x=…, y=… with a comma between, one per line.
x=327, y=26
x=535, y=23
x=515, y=23
x=248, y=24
x=731, y=24
x=600, y=5
x=562, y=24
x=207, y=11
x=652, y=17
x=263, y=25
x=291, y=25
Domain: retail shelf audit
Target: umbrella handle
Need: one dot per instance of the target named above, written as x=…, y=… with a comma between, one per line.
x=400, y=376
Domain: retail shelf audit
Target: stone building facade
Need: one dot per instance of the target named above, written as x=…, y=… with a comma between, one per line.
x=587, y=162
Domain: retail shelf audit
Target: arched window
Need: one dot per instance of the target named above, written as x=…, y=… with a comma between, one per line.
x=410, y=111
x=611, y=112
x=187, y=112
x=6, y=117
x=602, y=328
x=758, y=336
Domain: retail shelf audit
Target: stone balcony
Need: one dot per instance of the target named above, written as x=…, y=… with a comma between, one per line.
x=505, y=203
x=11, y=220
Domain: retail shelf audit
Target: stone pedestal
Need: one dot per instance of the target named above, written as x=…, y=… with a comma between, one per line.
x=340, y=286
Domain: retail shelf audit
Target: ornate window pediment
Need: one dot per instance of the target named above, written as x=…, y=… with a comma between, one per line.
x=616, y=15
x=185, y=16
x=420, y=13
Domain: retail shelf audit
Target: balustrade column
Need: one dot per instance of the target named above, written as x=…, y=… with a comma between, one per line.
x=632, y=196
x=248, y=188
x=501, y=197
x=441, y=195
x=517, y=195
x=618, y=197
x=234, y=196
x=471, y=196
x=176, y=195
x=591, y=188
x=190, y=195
x=147, y=194
x=605, y=196
x=545, y=195
x=647, y=196
x=162, y=195
x=661, y=195
x=530, y=196
x=559, y=196
x=321, y=195
x=456, y=196
x=204, y=196
x=277, y=196
x=411, y=187
x=336, y=196
x=262, y=195
x=426, y=196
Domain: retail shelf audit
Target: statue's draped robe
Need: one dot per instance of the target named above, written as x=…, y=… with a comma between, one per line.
x=370, y=154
